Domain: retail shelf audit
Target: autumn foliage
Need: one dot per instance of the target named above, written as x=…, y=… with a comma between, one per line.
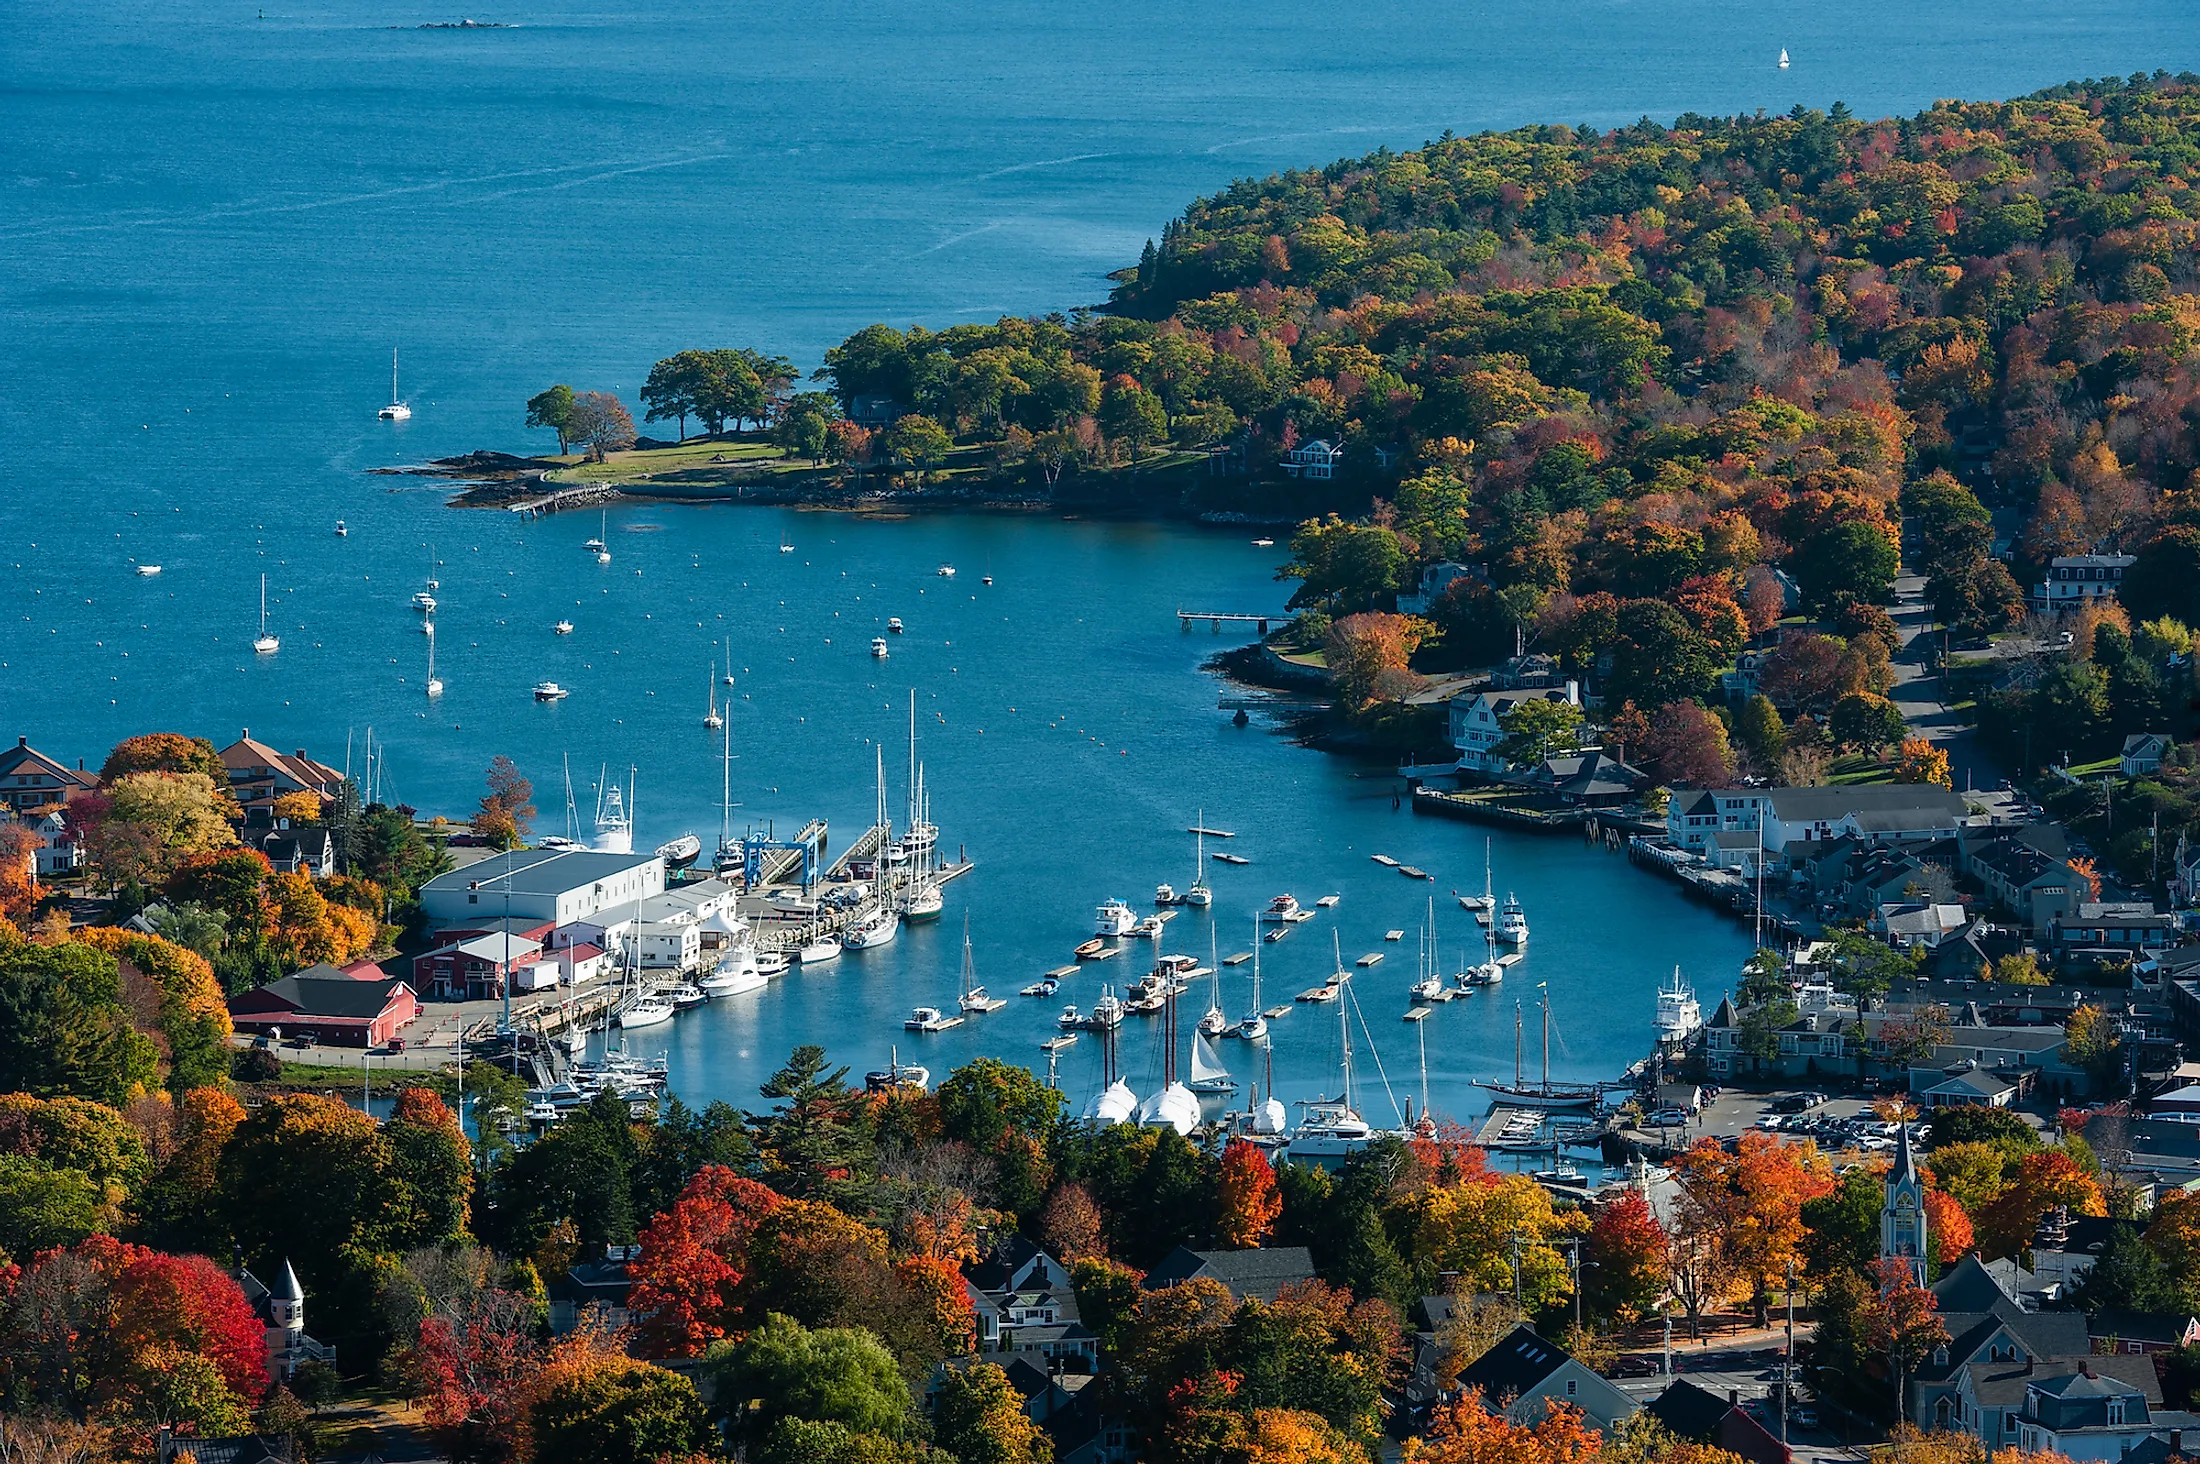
x=1247, y=1205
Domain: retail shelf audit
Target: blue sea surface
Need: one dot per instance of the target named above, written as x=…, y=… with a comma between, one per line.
x=216, y=222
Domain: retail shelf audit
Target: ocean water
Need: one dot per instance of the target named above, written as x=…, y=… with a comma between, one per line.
x=216, y=221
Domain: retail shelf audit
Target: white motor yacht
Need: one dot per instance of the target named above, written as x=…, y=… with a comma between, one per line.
x=1679, y=1014
x=737, y=971
x=648, y=1011
x=930, y=1019
x=148, y=570
x=563, y=627
x=550, y=691
x=771, y=963
x=1164, y=894
x=1107, y=1012
x=423, y=601
x=1071, y=1019
x=1512, y=923
x=819, y=951
x=878, y=647
x=893, y=624
x=1114, y=918
x=1282, y=909
x=687, y=995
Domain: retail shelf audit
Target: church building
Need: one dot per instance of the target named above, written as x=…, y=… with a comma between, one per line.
x=1902, y=1217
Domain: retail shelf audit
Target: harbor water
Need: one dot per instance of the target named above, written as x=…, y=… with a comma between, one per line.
x=218, y=222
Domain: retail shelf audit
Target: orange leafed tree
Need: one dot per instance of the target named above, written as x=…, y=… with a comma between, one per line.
x=19, y=890
x=1248, y=1204
x=2084, y=868
x=1072, y=1225
x=941, y=1302
x=1753, y=1202
x=1367, y=656
x=1950, y=1227
x=1468, y=1433
x=2044, y=1180
x=1921, y=761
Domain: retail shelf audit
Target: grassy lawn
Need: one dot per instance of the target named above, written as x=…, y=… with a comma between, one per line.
x=1851, y=772
x=2095, y=769
x=692, y=461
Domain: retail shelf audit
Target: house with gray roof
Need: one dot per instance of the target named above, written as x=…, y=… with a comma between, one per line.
x=1258, y=1274
x=1523, y=1376
x=2091, y=1408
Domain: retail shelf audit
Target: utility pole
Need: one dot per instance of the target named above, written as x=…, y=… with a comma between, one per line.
x=1787, y=1358
x=1516, y=1269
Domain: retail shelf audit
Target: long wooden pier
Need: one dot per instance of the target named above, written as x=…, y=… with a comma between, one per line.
x=1216, y=619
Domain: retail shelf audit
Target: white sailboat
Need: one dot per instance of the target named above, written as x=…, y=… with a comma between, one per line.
x=1254, y=1025
x=266, y=645
x=1784, y=58
x=1198, y=894
x=1208, y=1073
x=397, y=411
x=973, y=1001
x=1429, y=985
x=435, y=685
x=1331, y=1127
x=597, y=546
x=711, y=718
x=1213, y=1023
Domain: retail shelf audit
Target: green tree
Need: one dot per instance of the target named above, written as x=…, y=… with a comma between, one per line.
x=1130, y=413
x=1761, y=732
x=1848, y=561
x=1536, y=729
x=1841, y=1227
x=782, y=1369
x=42, y=1207
x=552, y=411
x=675, y=388
x=1341, y=566
x=804, y=427
x=2164, y=577
x=1867, y=722
x=919, y=443
x=63, y=1029
x=616, y=1411
x=978, y=1416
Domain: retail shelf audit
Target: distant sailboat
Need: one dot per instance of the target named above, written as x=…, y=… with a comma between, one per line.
x=266, y=645
x=397, y=411
x=711, y=718
x=1208, y=1073
x=1783, y=58
x=435, y=685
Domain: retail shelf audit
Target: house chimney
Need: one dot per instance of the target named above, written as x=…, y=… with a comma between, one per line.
x=2085, y=1369
x=1733, y=1397
x=2176, y=1441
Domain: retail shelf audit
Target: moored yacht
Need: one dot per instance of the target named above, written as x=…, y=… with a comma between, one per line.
x=893, y=625
x=1114, y=918
x=1679, y=1015
x=878, y=647
x=1281, y=909
x=897, y=1074
x=1512, y=922
x=931, y=1019
x=647, y=1011
x=550, y=691
x=737, y=971
x=880, y=929
x=819, y=951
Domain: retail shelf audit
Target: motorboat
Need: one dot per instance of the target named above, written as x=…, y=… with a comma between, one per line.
x=550, y=691
x=1070, y=1020
x=930, y=1019
x=1044, y=986
x=1679, y=1014
x=986, y=580
x=771, y=963
x=148, y=570
x=647, y=1011
x=1281, y=910
x=947, y=571
x=893, y=624
x=880, y=929
x=1150, y=928
x=1107, y=1012
x=1330, y=1129
x=563, y=627
x=265, y=645
x=681, y=852
x=341, y=531
x=737, y=972
x=423, y=601
x=1512, y=923
x=897, y=1074
x=878, y=647
x=1563, y=1174
x=687, y=995
x=819, y=951
x=397, y=411
x=614, y=818
x=1114, y=918
x=1164, y=894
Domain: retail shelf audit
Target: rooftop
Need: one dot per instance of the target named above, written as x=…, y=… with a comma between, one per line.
x=536, y=872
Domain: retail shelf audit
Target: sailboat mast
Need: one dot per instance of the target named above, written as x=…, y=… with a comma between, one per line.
x=1344, y=1025
x=1546, y=1041
x=725, y=789
x=1519, y=1077
x=393, y=373
x=1256, y=963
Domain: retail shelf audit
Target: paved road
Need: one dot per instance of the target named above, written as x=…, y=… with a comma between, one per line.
x=1918, y=691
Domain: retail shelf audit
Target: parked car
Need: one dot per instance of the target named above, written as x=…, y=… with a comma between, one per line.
x=1802, y=1415
x=1668, y=1118
x=1633, y=1367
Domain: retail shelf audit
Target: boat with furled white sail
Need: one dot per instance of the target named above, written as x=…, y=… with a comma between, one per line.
x=397, y=411
x=973, y=1002
x=1254, y=1025
x=265, y=645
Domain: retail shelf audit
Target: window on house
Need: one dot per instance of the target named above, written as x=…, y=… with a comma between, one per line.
x=2115, y=1411
x=1573, y=1386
